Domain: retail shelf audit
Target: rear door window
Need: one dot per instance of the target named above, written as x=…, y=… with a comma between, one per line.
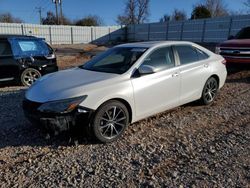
x=187, y=54
x=5, y=48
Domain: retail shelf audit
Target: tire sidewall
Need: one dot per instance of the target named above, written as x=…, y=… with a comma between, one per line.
x=203, y=98
x=97, y=117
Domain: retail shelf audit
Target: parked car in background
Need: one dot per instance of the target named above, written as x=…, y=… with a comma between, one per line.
x=236, y=50
x=125, y=84
x=25, y=59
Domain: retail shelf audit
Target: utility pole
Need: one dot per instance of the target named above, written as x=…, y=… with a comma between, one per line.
x=39, y=10
x=61, y=11
x=57, y=17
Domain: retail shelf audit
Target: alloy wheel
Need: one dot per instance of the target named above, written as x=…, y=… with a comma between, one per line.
x=210, y=90
x=30, y=76
x=112, y=122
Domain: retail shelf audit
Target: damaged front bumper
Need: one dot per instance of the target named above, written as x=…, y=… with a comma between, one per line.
x=56, y=122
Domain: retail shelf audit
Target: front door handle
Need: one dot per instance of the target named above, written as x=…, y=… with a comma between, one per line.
x=175, y=74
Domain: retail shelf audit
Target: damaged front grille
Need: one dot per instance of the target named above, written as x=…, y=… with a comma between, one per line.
x=30, y=106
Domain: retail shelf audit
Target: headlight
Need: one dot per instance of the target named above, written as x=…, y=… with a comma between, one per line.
x=62, y=106
x=217, y=50
x=51, y=56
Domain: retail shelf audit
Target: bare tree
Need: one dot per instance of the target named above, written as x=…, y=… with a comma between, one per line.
x=143, y=11
x=178, y=15
x=136, y=12
x=217, y=8
x=247, y=4
x=8, y=18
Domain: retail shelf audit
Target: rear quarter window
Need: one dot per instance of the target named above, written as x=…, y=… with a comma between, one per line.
x=202, y=55
x=29, y=47
x=187, y=54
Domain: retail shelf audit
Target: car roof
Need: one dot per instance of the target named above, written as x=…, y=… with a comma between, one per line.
x=154, y=44
x=6, y=36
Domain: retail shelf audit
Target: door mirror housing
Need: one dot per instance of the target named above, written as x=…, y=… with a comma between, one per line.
x=146, y=69
x=231, y=37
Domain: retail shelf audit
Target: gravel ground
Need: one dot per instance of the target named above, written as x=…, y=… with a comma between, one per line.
x=190, y=146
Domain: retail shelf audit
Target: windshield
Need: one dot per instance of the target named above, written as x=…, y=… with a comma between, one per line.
x=29, y=47
x=116, y=60
x=243, y=34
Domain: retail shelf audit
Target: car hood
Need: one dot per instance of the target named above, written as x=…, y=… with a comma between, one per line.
x=65, y=84
x=238, y=43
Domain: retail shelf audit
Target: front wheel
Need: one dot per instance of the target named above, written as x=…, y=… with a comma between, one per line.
x=209, y=91
x=29, y=76
x=110, y=121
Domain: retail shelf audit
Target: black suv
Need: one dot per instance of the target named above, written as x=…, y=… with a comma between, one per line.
x=25, y=59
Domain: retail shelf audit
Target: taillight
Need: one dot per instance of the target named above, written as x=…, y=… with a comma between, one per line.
x=224, y=62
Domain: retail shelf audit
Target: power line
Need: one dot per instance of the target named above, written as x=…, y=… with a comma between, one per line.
x=39, y=10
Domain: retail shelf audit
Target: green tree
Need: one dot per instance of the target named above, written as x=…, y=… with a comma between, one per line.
x=199, y=12
x=165, y=18
x=51, y=19
x=91, y=20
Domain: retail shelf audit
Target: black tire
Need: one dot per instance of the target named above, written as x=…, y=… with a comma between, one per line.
x=29, y=76
x=209, y=91
x=110, y=121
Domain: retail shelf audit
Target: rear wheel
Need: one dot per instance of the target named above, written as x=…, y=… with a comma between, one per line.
x=110, y=121
x=209, y=91
x=29, y=76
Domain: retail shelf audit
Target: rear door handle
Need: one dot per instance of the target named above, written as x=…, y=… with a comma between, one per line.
x=206, y=65
x=175, y=74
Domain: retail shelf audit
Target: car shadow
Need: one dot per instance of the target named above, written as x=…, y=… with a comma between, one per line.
x=16, y=131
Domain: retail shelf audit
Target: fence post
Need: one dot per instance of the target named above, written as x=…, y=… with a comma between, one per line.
x=149, y=32
x=92, y=37
x=203, y=30
x=22, y=29
x=50, y=36
x=109, y=35
x=134, y=33
x=71, y=32
x=182, y=26
x=230, y=26
x=167, y=28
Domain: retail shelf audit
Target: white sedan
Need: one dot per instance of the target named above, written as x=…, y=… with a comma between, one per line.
x=125, y=84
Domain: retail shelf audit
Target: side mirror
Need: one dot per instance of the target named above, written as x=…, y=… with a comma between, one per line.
x=146, y=69
x=231, y=37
